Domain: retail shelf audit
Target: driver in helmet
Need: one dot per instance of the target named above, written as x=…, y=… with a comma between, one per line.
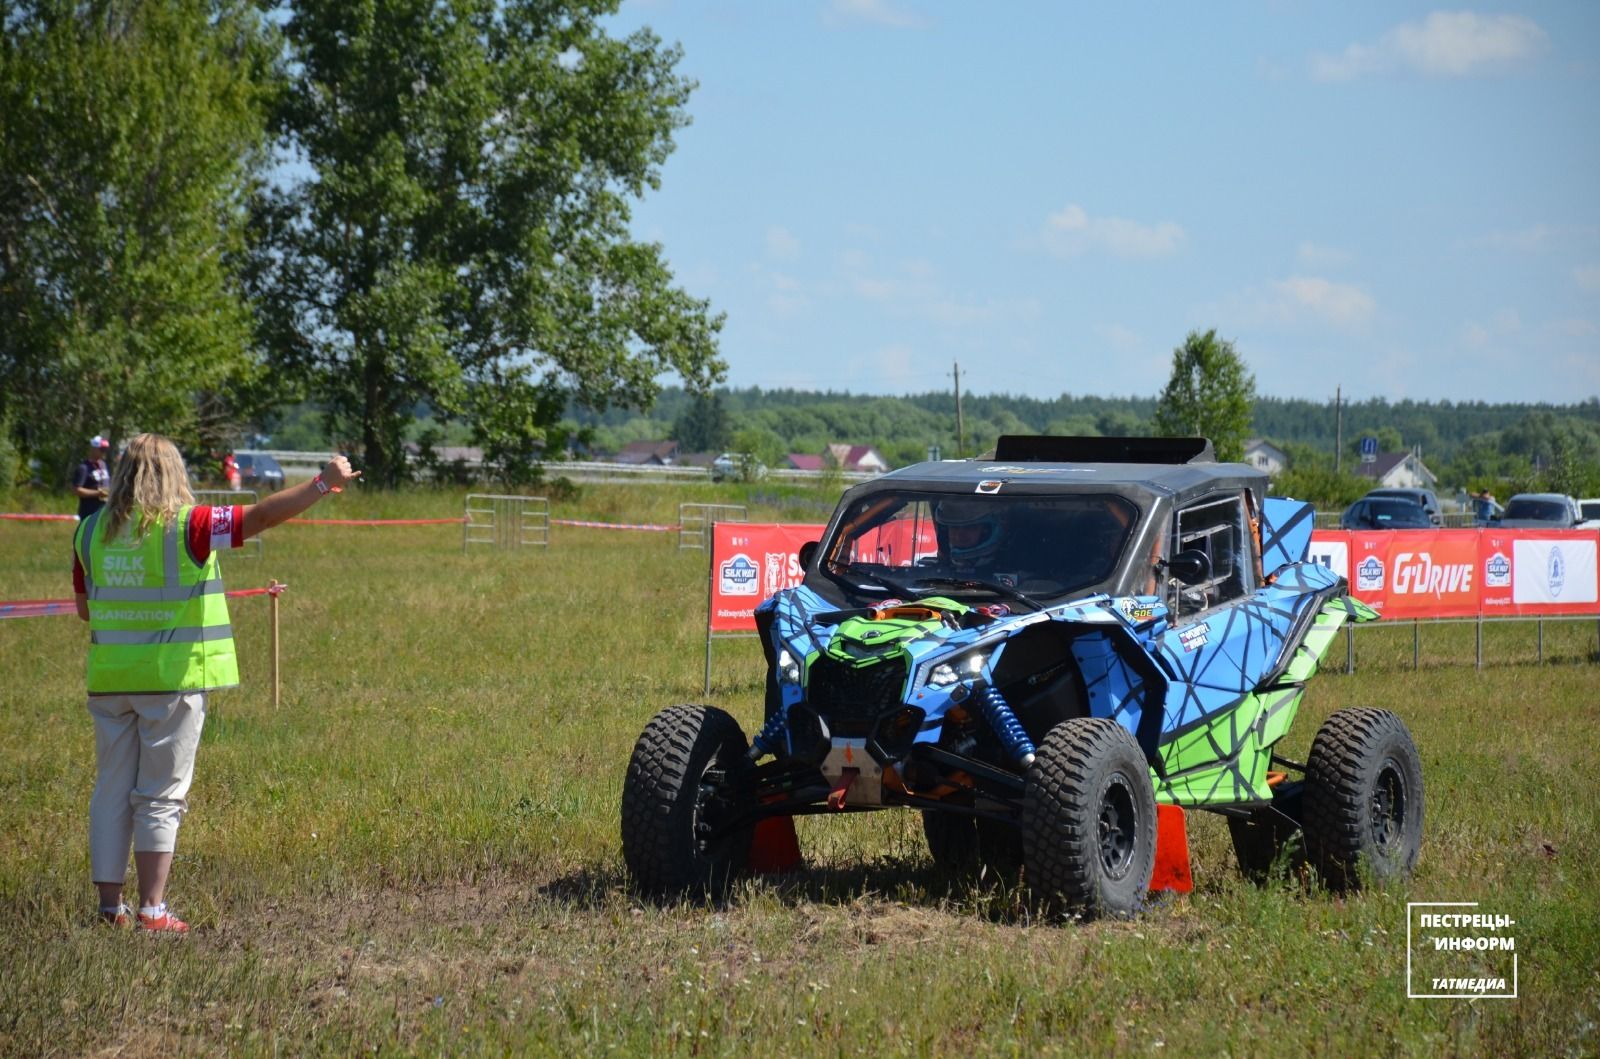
x=970, y=534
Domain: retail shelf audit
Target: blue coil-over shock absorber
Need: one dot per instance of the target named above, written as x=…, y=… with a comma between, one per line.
x=766, y=740
x=997, y=711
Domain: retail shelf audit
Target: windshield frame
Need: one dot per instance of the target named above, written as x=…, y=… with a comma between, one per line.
x=866, y=514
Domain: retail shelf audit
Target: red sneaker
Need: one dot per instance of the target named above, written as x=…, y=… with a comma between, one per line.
x=163, y=922
x=121, y=916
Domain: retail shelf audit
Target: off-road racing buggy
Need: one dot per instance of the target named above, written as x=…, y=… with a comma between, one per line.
x=1035, y=651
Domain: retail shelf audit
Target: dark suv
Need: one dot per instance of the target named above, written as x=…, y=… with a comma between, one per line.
x=259, y=471
x=1384, y=512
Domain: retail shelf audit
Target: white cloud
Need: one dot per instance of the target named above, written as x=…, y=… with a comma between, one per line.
x=1576, y=327
x=1313, y=255
x=874, y=12
x=1503, y=325
x=1118, y=337
x=1444, y=44
x=1587, y=278
x=1341, y=304
x=1072, y=232
x=781, y=243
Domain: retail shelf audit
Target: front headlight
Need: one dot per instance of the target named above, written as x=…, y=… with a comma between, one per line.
x=964, y=668
x=788, y=668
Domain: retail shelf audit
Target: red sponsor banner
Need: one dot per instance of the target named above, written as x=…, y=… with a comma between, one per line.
x=749, y=562
x=1464, y=573
x=1539, y=572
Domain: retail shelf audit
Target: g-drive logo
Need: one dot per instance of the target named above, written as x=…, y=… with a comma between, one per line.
x=1419, y=574
x=1497, y=571
x=739, y=577
x=1369, y=574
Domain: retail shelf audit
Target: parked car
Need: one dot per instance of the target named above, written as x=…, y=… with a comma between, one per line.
x=1541, y=511
x=1385, y=512
x=1032, y=651
x=737, y=467
x=1427, y=499
x=259, y=471
x=1590, y=509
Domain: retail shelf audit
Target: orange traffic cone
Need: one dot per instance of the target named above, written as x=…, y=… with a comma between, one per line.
x=776, y=848
x=1171, y=870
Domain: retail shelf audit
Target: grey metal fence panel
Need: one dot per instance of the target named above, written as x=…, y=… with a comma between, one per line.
x=505, y=521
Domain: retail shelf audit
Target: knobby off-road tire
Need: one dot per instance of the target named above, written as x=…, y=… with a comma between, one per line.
x=1089, y=819
x=1363, y=799
x=670, y=801
x=964, y=846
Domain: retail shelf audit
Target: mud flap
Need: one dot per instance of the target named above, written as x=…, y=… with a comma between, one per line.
x=775, y=849
x=1171, y=871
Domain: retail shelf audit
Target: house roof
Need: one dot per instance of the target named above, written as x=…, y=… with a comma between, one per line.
x=801, y=461
x=1386, y=462
x=849, y=457
x=1263, y=443
x=648, y=452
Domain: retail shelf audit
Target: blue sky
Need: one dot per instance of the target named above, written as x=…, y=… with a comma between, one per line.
x=1398, y=198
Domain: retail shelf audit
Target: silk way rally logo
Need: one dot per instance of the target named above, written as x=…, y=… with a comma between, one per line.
x=1557, y=572
x=1369, y=574
x=1497, y=571
x=739, y=576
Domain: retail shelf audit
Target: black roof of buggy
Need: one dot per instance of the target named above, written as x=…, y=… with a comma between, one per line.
x=1188, y=470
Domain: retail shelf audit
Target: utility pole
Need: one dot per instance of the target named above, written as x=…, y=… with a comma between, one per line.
x=961, y=432
x=1338, y=429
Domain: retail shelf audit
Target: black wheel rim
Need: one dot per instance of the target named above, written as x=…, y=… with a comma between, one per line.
x=710, y=808
x=1118, y=826
x=1388, y=806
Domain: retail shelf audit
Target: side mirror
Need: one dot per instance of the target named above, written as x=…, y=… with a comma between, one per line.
x=808, y=551
x=1191, y=567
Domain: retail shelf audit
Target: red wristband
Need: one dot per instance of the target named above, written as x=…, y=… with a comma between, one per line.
x=322, y=487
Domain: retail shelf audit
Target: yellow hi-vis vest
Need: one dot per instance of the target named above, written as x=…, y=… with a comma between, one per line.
x=158, y=620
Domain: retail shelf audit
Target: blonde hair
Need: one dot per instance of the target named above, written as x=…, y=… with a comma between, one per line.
x=151, y=479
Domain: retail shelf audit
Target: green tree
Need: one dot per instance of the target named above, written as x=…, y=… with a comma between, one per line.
x=1209, y=394
x=129, y=136
x=703, y=425
x=465, y=240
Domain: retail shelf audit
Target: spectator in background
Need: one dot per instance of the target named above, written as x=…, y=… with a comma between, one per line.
x=230, y=471
x=1484, y=505
x=146, y=580
x=92, y=479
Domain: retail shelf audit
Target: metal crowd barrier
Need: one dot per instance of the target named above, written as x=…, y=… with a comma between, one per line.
x=505, y=521
x=694, y=521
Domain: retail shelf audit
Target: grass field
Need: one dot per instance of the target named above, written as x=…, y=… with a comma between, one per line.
x=418, y=852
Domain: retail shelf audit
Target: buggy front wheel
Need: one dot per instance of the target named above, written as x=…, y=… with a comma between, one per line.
x=688, y=778
x=1089, y=819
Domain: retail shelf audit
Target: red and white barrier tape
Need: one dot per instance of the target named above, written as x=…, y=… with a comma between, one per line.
x=44, y=608
x=586, y=524
x=29, y=517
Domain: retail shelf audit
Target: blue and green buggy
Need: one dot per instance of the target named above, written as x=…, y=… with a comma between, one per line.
x=1036, y=651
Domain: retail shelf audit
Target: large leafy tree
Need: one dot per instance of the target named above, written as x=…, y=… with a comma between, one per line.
x=1209, y=393
x=461, y=236
x=129, y=132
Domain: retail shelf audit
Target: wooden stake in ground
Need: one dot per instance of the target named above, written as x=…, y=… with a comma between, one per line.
x=274, y=590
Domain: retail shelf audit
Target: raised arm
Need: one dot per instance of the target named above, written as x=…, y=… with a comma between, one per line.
x=287, y=503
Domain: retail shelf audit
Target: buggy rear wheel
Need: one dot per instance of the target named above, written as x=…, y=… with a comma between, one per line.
x=1089, y=819
x=688, y=776
x=1363, y=799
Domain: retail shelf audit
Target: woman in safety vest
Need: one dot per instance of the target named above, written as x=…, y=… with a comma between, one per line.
x=146, y=579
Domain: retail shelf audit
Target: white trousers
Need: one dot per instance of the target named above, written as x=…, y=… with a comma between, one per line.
x=144, y=749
